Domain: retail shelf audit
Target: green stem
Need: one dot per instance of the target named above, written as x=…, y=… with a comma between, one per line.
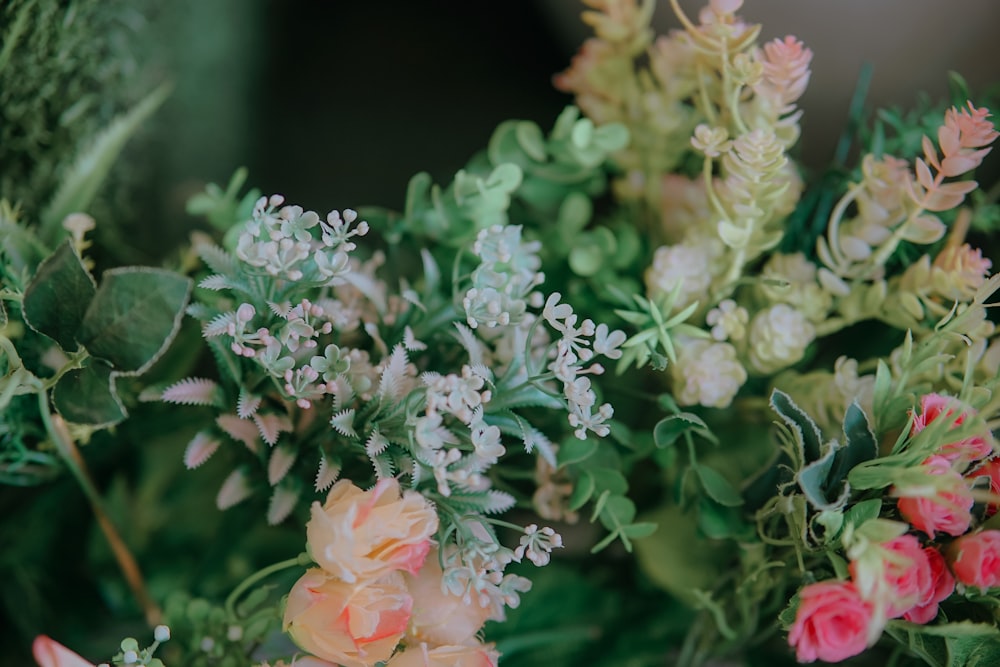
x=254, y=578
x=57, y=430
x=525, y=641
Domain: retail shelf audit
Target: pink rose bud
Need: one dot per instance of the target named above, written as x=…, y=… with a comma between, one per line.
x=831, y=624
x=975, y=559
x=354, y=625
x=907, y=574
x=364, y=535
x=948, y=510
x=50, y=653
x=932, y=406
x=940, y=585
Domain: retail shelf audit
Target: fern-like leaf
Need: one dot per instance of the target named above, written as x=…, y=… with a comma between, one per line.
x=271, y=426
x=376, y=444
x=281, y=461
x=217, y=259
x=391, y=384
x=282, y=503
x=192, y=391
x=240, y=430
x=384, y=468
x=343, y=423
x=247, y=404
x=327, y=474
x=199, y=450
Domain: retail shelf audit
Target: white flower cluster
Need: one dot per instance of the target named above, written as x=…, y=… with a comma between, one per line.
x=706, y=373
x=779, y=336
x=503, y=283
x=457, y=397
x=686, y=264
x=280, y=240
x=572, y=349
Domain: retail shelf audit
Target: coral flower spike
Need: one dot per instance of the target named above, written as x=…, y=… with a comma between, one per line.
x=50, y=653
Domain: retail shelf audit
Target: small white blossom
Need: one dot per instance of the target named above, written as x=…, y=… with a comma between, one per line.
x=728, y=321
x=537, y=545
x=707, y=373
x=779, y=336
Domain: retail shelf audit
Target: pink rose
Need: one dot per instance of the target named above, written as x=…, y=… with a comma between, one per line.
x=932, y=406
x=50, y=653
x=354, y=625
x=439, y=617
x=975, y=559
x=906, y=573
x=473, y=654
x=364, y=535
x=940, y=585
x=946, y=511
x=831, y=623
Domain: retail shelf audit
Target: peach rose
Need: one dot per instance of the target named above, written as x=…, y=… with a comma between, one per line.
x=940, y=585
x=354, y=625
x=970, y=449
x=364, y=535
x=473, y=654
x=975, y=559
x=50, y=653
x=438, y=616
x=948, y=511
x=831, y=623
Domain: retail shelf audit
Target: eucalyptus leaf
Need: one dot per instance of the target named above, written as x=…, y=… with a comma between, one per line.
x=57, y=298
x=88, y=396
x=860, y=444
x=815, y=481
x=134, y=315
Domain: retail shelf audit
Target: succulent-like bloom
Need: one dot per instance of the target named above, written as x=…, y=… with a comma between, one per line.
x=958, y=271
x=364, y=535
x=832, y=622
x=779, y=336
x=354, y=625
x=707, y=373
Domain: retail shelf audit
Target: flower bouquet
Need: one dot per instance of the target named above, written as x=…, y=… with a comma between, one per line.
x=636, y=389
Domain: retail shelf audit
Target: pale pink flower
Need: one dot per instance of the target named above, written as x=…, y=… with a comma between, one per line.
x=969, y=449
x=940, y=585
x=50, y=653
x=472, y=654
x=831, y=623
x=439, y=616
x=975, y=559
x=941, y=507
x=354, y=625
x=786, y=69
x=963, y=139
x=363, y=535
x=959, y=271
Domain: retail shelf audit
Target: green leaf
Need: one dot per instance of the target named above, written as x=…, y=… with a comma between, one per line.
x=668, y=429
x=3, y=315
x=803, y=427
x=57, y=298
x=639, y=530
x=617, y=511
x=574, y=451
x=606, y=479
x=87, y=396
x=718, y=487
x=583, y=490
x=81, y=182
x=864, y=511
x=134, y=316
x=718, y=521
x=531, y=140
x=860, y=444
x=586, y=259
x=814, y=480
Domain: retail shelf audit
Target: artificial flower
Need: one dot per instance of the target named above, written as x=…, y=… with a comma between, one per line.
x=351, y=624
x=933, y=406
x=831, y=623
x=440, y=616
x=942, y=507
x=363, y=535
x=936, y=588
x=975, y=559
x=472, y=654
